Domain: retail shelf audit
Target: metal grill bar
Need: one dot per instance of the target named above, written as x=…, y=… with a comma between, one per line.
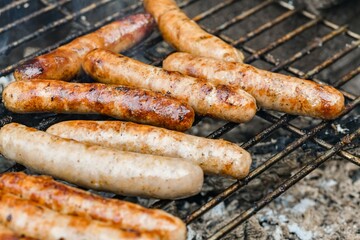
x=307, y=50
x=282, y=40
x=325, y=22
x=53, y=25
x=32, y=15
x=269, y=59
x=333, y=58
x=263, y=27
x=227, y=128
x=347, y=77
x=12, y=67
x=286, y=185
x=12, y=5
x=212, y=10
x=277, y=122
x=348, y=156
x=242, y=16
x=256, y=172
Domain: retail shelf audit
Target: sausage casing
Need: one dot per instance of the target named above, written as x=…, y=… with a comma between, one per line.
x=272, y=90
x=69, y=200
x=34, y=220
x=100, y=168
x=219, y=101
x=64, y=63
x=121, y=102
x=213, y=156
x=7, y=234
x=185, y=35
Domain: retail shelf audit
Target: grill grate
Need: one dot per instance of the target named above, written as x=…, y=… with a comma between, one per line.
x=263, y=56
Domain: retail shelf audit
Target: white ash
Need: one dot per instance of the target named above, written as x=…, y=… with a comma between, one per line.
x=299, y=232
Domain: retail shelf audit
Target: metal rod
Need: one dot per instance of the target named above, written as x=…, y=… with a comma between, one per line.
x=11, y=5
x=347, y=77
x=264, y=27
x=307, y=169
x=316, y=43
x=282, y=40
x=348, y=156
x=241, y=16
x=52, y=25
x=260, y=169
x=326, y=22
x=102, y=22
x=347, y=49
x=32, y=15
x=212, y=10
x=270, y=59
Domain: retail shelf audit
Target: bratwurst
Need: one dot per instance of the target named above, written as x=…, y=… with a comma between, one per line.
x=219, y=101
x=185, y=35
x=120, y=102
x=34, y=220
x=272, y=90
x=73, y=201
x=7, y=234
x=213, y=156
x=64, y=63
x=101, y=168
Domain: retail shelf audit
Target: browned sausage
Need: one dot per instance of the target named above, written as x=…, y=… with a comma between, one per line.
x=65, y=62
x=101, y=168
x=185, y=35
x=7, y=234
x=121, y=102
x=34, y=220
x=69, y=200
x=212, y=155
x=219, y=101
x=272, y=90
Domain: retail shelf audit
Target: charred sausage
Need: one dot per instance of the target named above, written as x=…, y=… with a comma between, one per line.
x=185, y=35
x=100, y=168
x=272, y=90
x=73, y=201
x=219, y=101
x=121, y=102
x=64, y=63
x=213, y=156
x=34, y=220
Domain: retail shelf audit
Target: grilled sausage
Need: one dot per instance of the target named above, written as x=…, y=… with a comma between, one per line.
x=64, y=63
x=272, y=90
x=213, y=156
x=69, y=200
x=185, y=35
x=121, y=102
x=101, y=168
x=7, y=234
x=34, y=220
x=218, y=101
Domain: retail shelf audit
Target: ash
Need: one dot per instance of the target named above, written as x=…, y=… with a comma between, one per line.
x=324, y=205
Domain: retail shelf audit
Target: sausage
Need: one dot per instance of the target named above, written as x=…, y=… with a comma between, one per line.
x=219, y=101
x=272, y=91
x=185, y=35
x=73, y=201
x=101, y=168
x=64, y=63
x=7, y=234
x=34, y=220
x=213, y=156
x=120, y=102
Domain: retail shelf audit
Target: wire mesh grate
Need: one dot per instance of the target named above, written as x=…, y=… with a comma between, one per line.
x=263, y=55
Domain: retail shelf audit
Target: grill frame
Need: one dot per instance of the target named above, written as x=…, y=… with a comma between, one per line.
x=263, y=54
